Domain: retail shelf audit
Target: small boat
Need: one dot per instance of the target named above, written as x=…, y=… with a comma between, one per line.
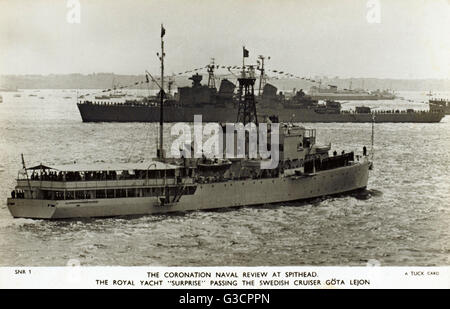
x=102, y=97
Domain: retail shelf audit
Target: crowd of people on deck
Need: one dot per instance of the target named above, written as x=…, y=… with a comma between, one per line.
x=126, y=103
x=98, y=176
x=75, y=176
x=397, y=111
x=17, y=194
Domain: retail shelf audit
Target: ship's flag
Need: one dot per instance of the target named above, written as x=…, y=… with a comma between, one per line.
x=163, y=31
x=245, y=52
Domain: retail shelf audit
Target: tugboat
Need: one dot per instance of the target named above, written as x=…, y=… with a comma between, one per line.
x=302, y=170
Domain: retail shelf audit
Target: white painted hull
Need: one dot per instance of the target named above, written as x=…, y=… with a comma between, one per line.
x=207, y=196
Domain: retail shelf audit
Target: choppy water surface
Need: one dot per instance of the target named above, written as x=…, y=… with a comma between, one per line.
x=404, y=221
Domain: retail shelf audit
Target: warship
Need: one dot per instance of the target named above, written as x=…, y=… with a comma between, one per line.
x=222, y=106
x=304, y=170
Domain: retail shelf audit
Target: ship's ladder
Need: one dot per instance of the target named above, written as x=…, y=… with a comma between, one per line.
x=167, y=200
x=179, y=193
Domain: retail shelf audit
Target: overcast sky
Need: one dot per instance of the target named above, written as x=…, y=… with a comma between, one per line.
x=307, y=38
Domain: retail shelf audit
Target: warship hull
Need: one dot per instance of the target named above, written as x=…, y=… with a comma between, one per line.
x=232, y=193
x=127, y=113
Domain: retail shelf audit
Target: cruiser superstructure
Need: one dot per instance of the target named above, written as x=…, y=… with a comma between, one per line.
x=222, y=106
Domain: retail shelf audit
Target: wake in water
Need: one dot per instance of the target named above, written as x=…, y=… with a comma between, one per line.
x=19, y=222
x=366, y=194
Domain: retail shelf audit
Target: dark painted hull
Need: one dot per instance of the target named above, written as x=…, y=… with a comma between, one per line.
x=124, y=113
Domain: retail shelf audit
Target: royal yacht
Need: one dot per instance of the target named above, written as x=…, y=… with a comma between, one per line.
x=303, y=170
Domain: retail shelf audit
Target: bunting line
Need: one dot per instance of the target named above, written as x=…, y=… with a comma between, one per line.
x=278, y=75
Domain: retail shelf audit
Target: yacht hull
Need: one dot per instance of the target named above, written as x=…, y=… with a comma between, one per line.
x=233, y=193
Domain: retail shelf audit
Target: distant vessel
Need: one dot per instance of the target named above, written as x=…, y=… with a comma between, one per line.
x=102, y=97
x=440, y=105
x=1, y=99
x=384, y=94
x=333, y=93
x=8, y=89
x=304, y=170
x=115, y=94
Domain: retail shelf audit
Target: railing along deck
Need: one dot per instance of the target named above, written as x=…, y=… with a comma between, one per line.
x=98, y=184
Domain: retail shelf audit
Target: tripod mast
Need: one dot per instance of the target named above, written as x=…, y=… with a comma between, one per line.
x=211, y=78
x=262, y=76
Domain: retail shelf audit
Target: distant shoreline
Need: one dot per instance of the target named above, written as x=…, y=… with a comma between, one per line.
x=106, y=81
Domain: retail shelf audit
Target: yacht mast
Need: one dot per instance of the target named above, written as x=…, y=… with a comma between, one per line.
x=26, y=173
x=161, y=108
x=373, y=136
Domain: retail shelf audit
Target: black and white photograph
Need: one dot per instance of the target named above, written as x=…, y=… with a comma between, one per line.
x=255, y=134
